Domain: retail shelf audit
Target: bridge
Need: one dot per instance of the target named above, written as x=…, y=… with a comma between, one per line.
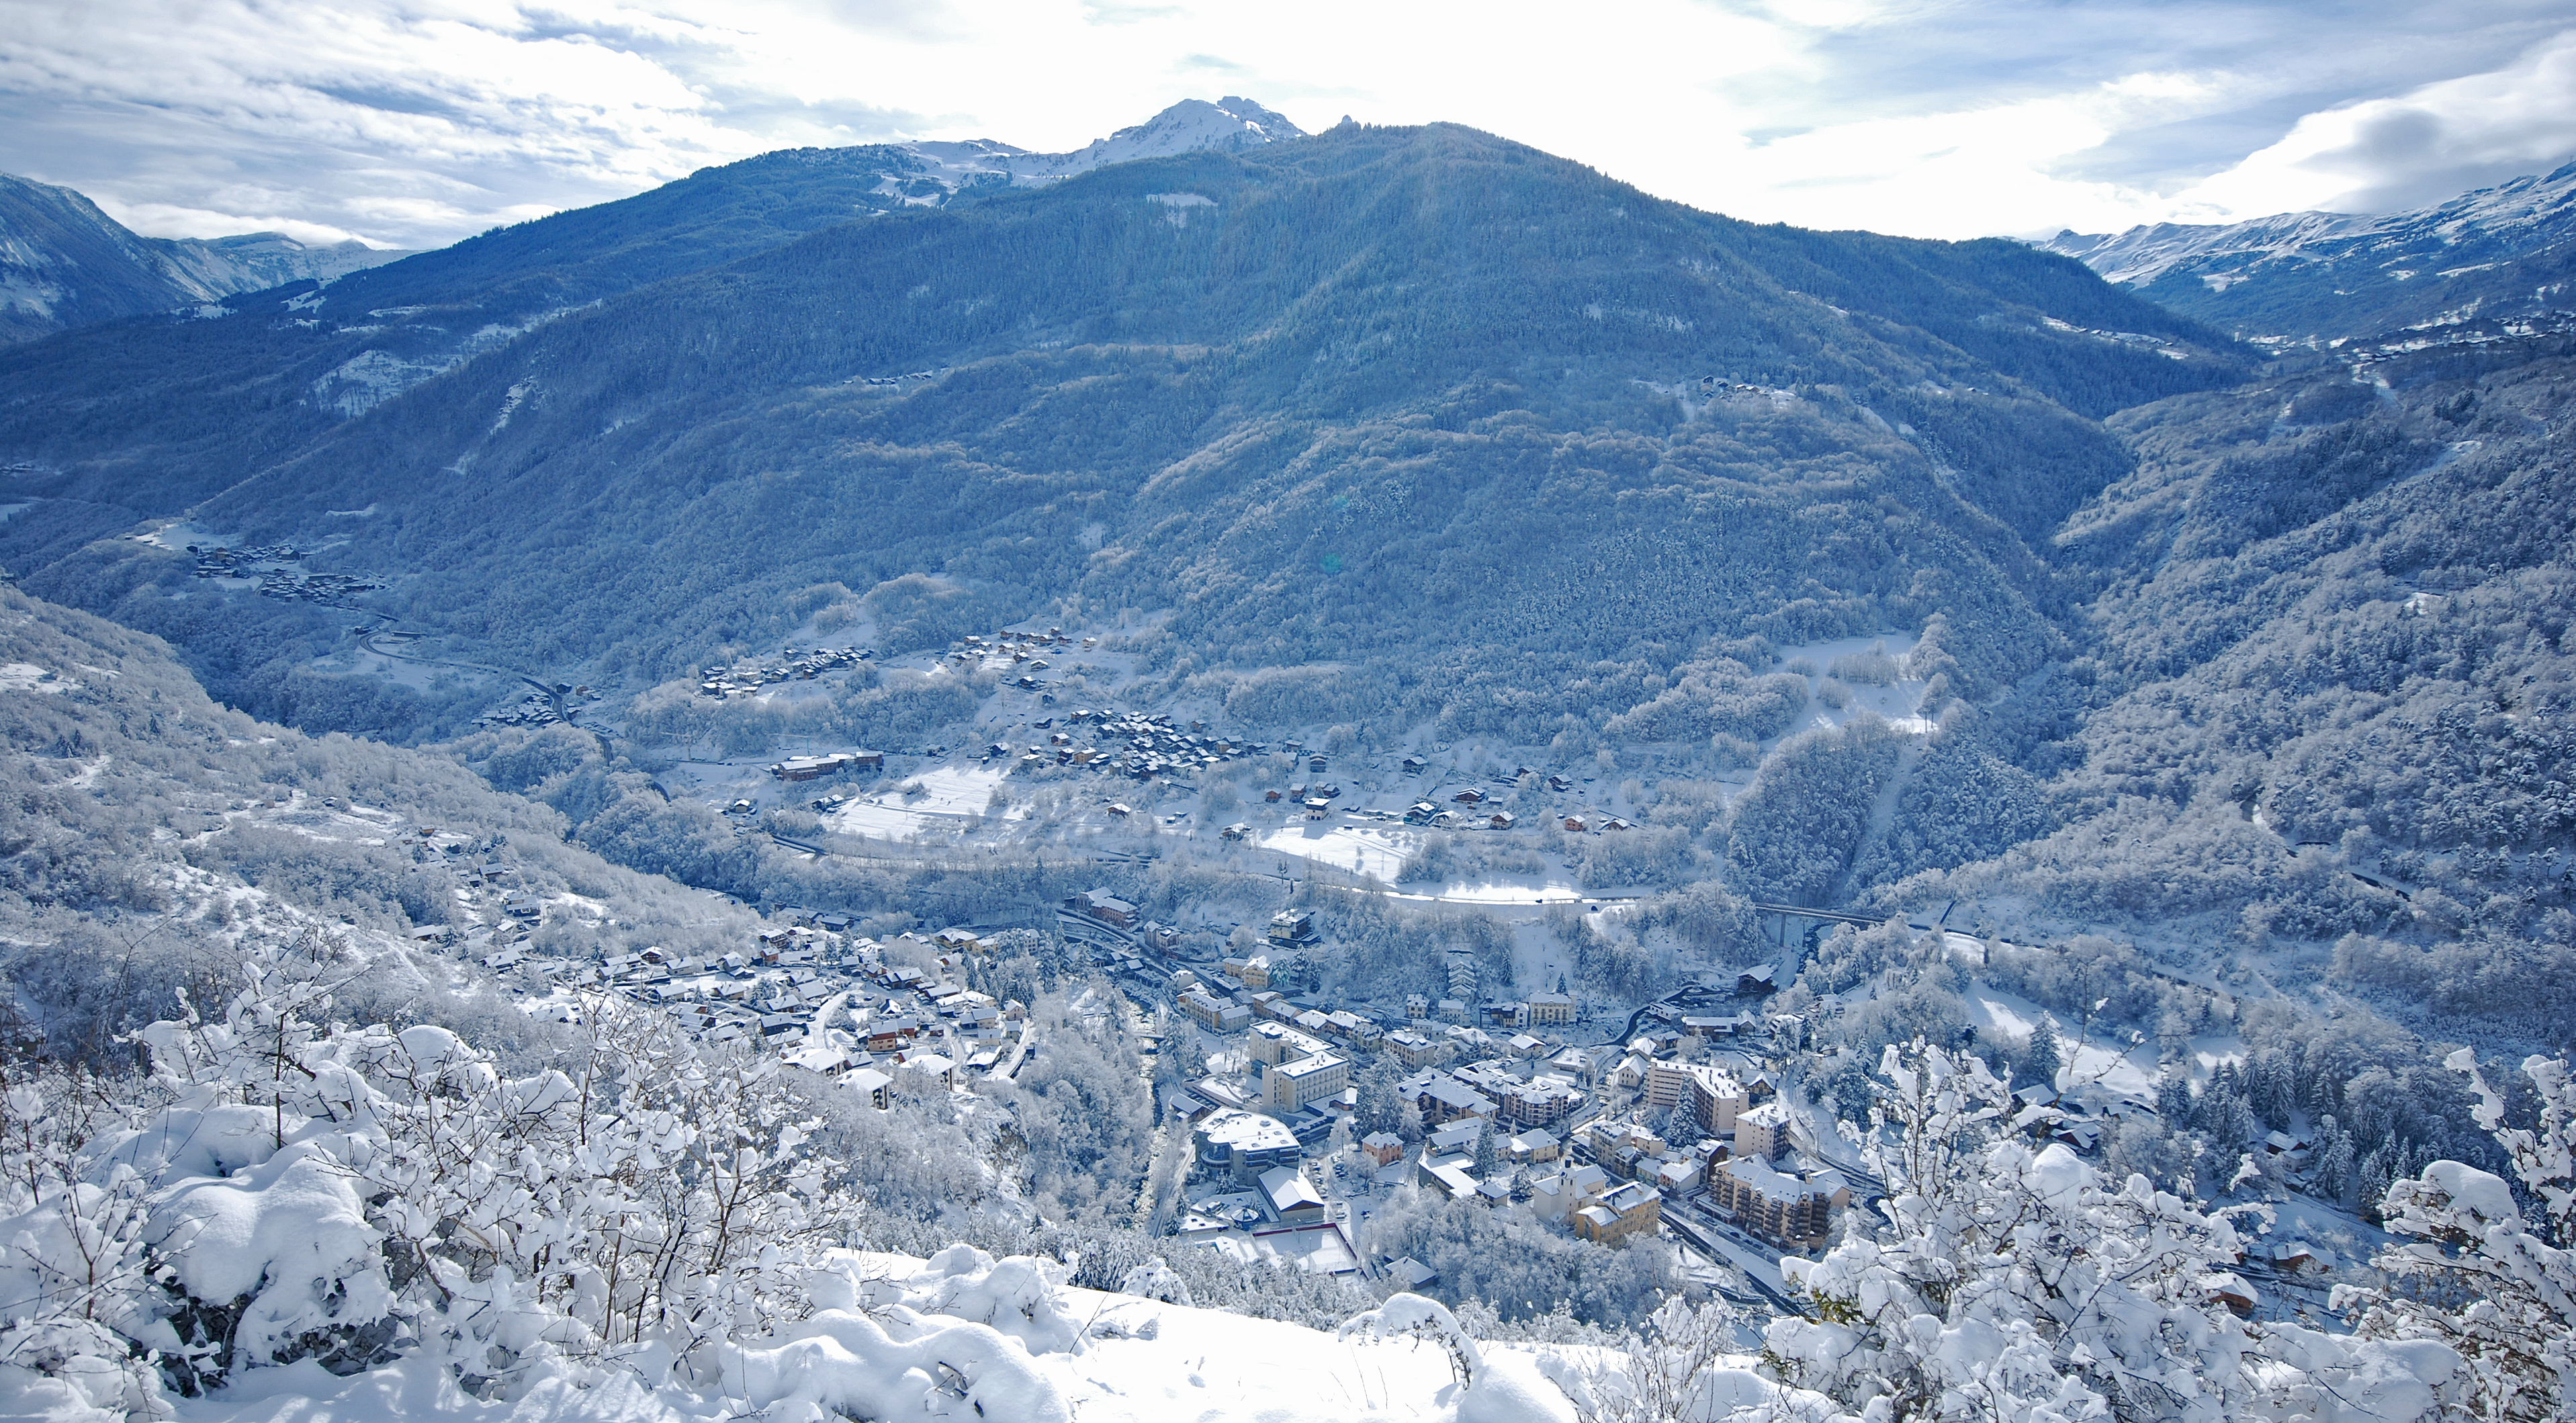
x=1777, y=921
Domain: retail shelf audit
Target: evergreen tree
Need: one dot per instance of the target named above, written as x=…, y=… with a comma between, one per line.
x=2336, y=1172
x=1380, y=1108
x=1488, y=1157
x=1850, y=1089
x=2042, y=1060
x=2173, y=1096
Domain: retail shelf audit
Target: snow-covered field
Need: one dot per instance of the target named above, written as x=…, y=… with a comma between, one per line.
x=2128, y=1069
x=954, y=795
x=1896, y=701
x=1354, y=848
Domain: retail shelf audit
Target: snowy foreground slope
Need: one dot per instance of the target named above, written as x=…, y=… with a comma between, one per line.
x=907, y=1337
x=965, y=1336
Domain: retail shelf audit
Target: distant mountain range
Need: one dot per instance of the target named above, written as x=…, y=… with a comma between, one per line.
x=64, y=263
x=2499, y=252
x=1349, y=373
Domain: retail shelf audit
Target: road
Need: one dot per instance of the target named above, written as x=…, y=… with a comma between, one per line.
x=1706, y=1240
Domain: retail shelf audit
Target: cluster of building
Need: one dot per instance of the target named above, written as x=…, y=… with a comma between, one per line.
x=1731, y=1158
x=534, y=709
x=881, y=1014
x=1250, y=1196
x=745, y=678
x=1133, y=744
x=218, y=561
x=897, y=380
x=261, y=562
x=1021, y=649
x=318, y=588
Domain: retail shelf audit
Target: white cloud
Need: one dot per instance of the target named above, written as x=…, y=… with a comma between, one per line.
x=2414, y=148
x=416, y=121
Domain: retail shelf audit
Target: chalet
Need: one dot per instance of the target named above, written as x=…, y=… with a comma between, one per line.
x=1623, y=1212
x=1415, y=765
x=876, y=1086
x=1469, y=796
x=1499, y=820
x=1411, y=1274
x=1420, y=813
x=1559, y=783
x=931, y=1068
x=2230, y=1290
x=1574, y=825
x=1236, y=831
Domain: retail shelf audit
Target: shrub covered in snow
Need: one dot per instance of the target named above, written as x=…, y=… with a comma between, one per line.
x=311, y=1190
x=2479, y=1282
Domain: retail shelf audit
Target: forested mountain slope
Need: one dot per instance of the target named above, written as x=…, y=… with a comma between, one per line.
x=148, y=836
x=148, y=416
x=2328, y=692
x=1517, y=437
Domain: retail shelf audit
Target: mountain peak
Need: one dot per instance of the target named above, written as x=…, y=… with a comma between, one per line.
x=65, y=263
x=1230, y=124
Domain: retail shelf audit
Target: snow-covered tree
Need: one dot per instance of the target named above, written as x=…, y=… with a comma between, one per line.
x=2042, y=1060
x=317, y=1190
x=2481, y=1281
x=2011, y=1282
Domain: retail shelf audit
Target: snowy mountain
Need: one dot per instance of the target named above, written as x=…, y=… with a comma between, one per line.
x=1229, y=125
x=2496, y=252
x=64, y=263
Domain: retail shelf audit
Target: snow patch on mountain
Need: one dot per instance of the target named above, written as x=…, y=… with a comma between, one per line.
x=2537, y=208
x=1230, y=125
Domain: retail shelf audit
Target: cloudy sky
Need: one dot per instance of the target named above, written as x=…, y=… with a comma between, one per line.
x=414, y=122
